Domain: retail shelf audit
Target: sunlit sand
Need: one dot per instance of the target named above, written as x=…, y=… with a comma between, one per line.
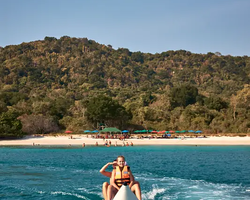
x=81, y=139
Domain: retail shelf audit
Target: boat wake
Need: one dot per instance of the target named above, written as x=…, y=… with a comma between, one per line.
x=176, y=188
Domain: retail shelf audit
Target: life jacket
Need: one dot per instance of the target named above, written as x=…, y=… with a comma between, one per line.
x=122, y=176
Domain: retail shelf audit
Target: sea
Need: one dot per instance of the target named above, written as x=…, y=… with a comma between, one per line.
x=164, y=172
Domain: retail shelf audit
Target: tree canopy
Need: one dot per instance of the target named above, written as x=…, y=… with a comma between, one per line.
x=76, y=82
x=10, y=126
x=106, y=110
x=183, y=95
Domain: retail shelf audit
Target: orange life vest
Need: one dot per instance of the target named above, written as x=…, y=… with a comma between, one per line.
x=122, y=176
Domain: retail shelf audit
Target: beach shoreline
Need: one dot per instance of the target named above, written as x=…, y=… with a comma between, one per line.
x=80, y=140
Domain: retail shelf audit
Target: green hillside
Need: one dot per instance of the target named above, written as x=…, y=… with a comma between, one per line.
x=76, y=83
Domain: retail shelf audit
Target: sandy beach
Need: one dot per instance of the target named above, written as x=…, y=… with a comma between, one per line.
x=80, y=139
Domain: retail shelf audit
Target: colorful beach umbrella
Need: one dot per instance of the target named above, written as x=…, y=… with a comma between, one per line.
x=154, y=132
x=125, y=131
x=68, y=131
x=184, y=131
x=111, y=130
x=191, y=131
x=95, y=131
x=198, y=131
x=161, y=132
x=177, y=131
x=87, y=131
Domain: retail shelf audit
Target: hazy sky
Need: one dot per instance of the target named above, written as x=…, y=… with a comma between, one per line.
x=199, y=26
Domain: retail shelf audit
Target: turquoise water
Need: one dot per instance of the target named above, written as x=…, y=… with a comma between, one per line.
x=164, y=172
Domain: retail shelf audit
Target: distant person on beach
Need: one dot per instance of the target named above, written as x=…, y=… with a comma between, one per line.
x=120, y=174
x=96, y=144
x=131, y=144
x=108, y=174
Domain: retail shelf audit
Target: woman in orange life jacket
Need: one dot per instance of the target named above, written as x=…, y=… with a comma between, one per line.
x=120, y=175
x=108, y=174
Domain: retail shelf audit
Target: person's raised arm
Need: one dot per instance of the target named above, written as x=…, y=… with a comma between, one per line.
x=112, y=180
x=105, y=173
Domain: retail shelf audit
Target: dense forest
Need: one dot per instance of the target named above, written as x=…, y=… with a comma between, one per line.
x=76, y=84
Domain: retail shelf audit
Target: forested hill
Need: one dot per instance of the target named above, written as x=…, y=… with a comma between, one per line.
x=56, y=80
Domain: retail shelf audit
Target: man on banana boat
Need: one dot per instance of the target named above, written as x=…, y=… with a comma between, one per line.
x=135, y=185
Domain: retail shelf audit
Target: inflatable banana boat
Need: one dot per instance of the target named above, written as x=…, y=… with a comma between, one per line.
x=125, y=194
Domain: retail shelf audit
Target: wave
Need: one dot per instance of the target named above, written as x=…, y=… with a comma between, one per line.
x=55, y=169
x=69, y=194
x=152, y=194
x=96, y=191
x=85, y=171
x=40, y=192
x=177, y=188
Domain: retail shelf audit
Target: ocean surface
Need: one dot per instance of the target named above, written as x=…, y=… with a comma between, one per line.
x=164, y=172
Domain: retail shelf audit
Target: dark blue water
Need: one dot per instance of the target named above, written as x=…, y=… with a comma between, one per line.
x=164, y=172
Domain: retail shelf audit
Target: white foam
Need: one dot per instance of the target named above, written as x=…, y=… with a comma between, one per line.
x=83, y=171
x=92, y=192
x=55, y=169
x=175, y=188
x=69, y=194
x=40, y=192
x=151, y=194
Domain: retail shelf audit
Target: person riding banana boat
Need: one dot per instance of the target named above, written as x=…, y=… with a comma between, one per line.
x=121, y=173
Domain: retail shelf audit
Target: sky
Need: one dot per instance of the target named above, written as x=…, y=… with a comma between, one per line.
x=149, y=26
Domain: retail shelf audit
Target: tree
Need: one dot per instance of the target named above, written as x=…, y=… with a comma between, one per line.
x=3, y=107
x=10, y=126
x=12, y=98
x=241, y=99
x=50, y=39
x=59, y=107
x=38, y=124
x=215, y=103
x=137, y=57
x=183, y=96
x=106, y=110
x=147, y=98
